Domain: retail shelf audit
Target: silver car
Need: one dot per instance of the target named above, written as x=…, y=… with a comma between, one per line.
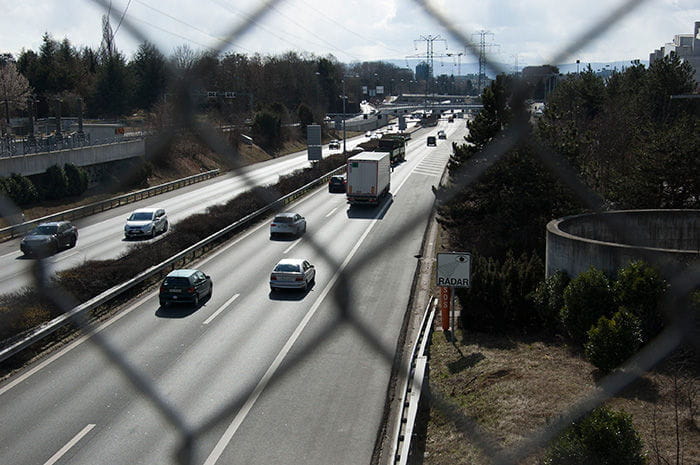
x=288, y=224
x=146, y=222
x=292, y=273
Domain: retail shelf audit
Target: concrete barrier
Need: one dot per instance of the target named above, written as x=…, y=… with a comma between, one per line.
x=37, y=163
x=668, y=239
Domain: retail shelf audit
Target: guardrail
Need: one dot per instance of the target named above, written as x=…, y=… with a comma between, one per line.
x=187, y=255
x=10, y=232
x=412, y=388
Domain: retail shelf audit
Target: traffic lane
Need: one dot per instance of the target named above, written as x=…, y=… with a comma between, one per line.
x=149, y=343
x=229, y=357
x=337, y=421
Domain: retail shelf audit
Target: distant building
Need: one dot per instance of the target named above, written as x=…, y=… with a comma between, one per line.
x=685, y=46
x=422, y=71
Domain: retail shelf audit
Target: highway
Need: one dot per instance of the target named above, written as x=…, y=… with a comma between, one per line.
x=101, y=236
x=299, y=377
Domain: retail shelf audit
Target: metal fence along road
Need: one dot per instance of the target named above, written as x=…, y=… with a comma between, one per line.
x=672, y=337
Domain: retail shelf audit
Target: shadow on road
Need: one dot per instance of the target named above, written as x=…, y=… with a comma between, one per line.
x=367, y=212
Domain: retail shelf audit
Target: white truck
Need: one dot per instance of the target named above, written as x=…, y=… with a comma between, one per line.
x=369, y=176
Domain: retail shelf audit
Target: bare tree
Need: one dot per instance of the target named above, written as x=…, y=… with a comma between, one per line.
x=14, y=89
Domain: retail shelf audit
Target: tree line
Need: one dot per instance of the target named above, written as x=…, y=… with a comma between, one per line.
x=110, y=85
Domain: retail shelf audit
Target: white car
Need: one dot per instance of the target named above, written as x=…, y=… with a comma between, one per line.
x=288, y=223
x=292, y=273
x=334, y=144
x=146, y=222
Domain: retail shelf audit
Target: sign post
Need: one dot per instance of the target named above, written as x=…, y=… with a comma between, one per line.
x=453, y=270
x=445, y=304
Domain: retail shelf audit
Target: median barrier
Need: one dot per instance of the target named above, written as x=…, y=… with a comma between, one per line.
x=191, y=253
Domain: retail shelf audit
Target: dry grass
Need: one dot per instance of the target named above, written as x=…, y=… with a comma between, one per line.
x=511, y=386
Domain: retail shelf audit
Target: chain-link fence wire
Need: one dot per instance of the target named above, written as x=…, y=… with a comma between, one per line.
x=677, y=305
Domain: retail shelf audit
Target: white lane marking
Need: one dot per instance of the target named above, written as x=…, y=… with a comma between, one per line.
x=331, y=212
x=11, y=253
x=57, y=456
x=221, y=309
x=75, y=344
x=262, y=384
x=292, y=246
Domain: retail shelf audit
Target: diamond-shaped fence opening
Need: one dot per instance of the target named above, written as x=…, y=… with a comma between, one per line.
x=674, y=335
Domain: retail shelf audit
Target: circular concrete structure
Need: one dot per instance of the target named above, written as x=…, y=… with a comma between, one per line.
x=668, y=239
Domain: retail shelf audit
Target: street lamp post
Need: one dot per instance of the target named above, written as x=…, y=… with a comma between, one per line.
x=344, y=98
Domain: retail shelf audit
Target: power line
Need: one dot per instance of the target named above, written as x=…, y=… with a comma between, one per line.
x=188, y=25
x=121, y=19
x=337, y=23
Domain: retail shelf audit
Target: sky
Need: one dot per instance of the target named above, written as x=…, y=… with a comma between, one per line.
x=516, y=33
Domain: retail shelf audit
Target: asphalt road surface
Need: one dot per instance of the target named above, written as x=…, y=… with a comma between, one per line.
x=257, y=377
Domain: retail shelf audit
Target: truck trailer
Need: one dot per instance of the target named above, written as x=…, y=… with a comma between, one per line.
x=393, y=144
x=368, y=178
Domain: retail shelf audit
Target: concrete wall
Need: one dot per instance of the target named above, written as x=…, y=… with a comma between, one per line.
x=83, y=156
x=668, y=239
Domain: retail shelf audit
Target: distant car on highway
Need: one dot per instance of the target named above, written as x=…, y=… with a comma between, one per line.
x=146, y=222
x=185, y=286
x=292, y=273
x=334, y=144
x=441, y=135
x=288, y=223
x=368, y=134
x=430, y=141
x=337, y=183
x=49, y=238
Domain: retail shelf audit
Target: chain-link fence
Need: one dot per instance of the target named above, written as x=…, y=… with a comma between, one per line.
x=677, y=305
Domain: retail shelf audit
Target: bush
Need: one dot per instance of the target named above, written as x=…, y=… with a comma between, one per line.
x=499, y=296
x=54, y=183
x=77, y=179
x=604, y=437
x=640, y=288
x=267, y=130
x=20, y=189
x=612, y=341
x=549, y=298
x=586, y=298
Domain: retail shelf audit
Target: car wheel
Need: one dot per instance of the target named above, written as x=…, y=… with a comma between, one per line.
x=73, y=240
x=304, y=230
x=165, y=228
x=163, y=303
x=306, y=286
x=211, y=290
x=272, y=289
x=196, y=300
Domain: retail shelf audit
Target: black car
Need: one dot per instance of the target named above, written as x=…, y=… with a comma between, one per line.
x=337, y=183
x=49, y=238
x=186, y=286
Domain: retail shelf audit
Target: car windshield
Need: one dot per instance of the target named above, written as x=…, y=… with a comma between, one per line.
x=44, y=230
x=283, y=219
x=141, y=216
x=176, y=282
x=287, y=268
